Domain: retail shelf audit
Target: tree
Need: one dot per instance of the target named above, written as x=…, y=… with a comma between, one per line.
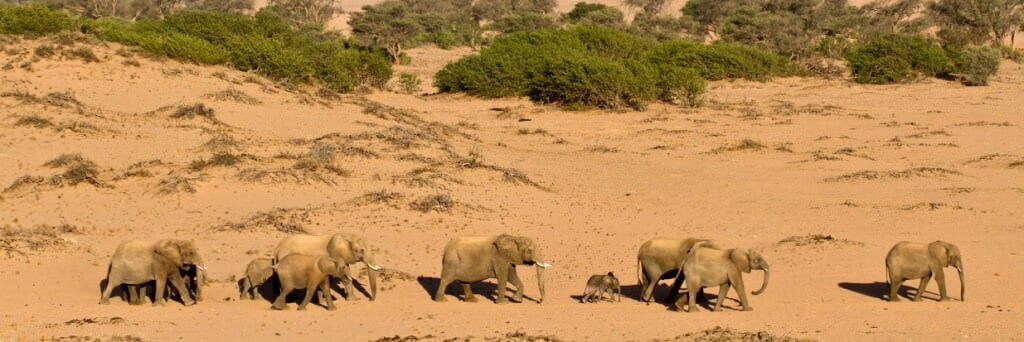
x=649, y=7
x=898, y=16
x=388, y=25
x=964, y=22
x=594, y=14
x=301, y=12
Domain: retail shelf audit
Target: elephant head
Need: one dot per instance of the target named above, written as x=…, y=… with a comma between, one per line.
x=331, y=267
x=181, y=254
x=350, y=249
x=946, y=254
x=747, y=260
x=518, y=250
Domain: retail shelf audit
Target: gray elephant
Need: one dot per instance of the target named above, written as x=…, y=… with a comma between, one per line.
x=139, y=262
x=706, y=267
x=310, y=272
x=257, y=272
x=344, y=247
x=909, y=260
x=478, y=258
x=658, y=259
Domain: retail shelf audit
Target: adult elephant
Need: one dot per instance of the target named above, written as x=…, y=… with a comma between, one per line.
x=478, y=258
x=345, y=247
x=135, y=263
x=661, y=258
x=909, y=260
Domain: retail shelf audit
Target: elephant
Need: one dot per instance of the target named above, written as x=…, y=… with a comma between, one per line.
x=310, y=272
x=711, y=266
x=257, y=272
x=658, y=259
x=344, y=247
x=909, y=260
x=477, y=258
x=194, y=277
x=139, y=262
x=598, y=285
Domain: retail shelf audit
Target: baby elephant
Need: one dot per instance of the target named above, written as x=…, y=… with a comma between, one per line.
x=598, y=285
x=257, y=273
x=299, y=271
x=908, y=260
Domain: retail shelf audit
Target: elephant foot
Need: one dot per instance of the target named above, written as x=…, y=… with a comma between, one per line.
x=440, y=299
x=279, y=308
x=918, y=299
x=717, y=310
x=301, y=308
x=747, y=308
x=105, y=301
x=501, y=301
x=692, y=310
x=190, y=303
x=944, y=299
x=471, y=300
x=158, y=303
x=895, y=299
x=332, y=308
x=518, y=298
x=351, y=298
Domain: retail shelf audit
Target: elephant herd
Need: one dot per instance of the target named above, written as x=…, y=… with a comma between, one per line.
x=314, y=263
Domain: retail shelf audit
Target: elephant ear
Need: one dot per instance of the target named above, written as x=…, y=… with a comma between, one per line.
x=169, y=250
x=340, y=246
x=940, y=251
x=741, y=258
x=508, y=249
x=327, y=265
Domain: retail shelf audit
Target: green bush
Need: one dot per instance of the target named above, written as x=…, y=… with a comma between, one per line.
x=975, y=64
x=594, y=14
x=892, y=58
x=601, y=67
x=523, y=22
x=32, y=19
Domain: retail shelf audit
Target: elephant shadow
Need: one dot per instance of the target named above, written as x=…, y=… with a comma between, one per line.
x=880, y=290
x=635, y=292
x=485, y=289
x=268, y=291
x=149, y=294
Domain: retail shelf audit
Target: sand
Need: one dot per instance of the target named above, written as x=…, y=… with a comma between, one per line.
x=757, y=164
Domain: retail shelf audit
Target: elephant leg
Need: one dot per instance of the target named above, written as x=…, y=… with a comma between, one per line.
x=723, y=291
x=691, y=288
x=133, y=297
x=246, y=292
x=741, y=291
x=441, y=286
x=673, y=291
x=894, y=286
x=467, y=293
x=310, y=291
x=161, y=286
x=279, y=303
x=940, y=278
x=350, y=291
x=502, y=275
x=179, y=285
x=325, y=286
x=648, y=291
x=112, y=282
x=514, y=278
x=921, y=287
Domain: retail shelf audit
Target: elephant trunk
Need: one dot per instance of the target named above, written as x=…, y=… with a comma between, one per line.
x=764, y=285
x=540, y=280
x=960, y=270
x=371, y=272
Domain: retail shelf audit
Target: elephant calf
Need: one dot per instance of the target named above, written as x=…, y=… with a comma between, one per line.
x=598, y=285
x=908, y=260
x=310, y=272
x=257, y=272
x=478, y=258
x=714, y=267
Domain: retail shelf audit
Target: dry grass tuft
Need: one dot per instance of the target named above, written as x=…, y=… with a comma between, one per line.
x=176, y=184
x=815, y=239
x=289, y=221
x=424, y=177
x=20, y=241
x=194, y=110
x=413, y=157
x=941, y=133
x=472, y=160
x=77, y=169
x=527, y=131
x=985, y=123
x=743, y=145
x=719, y=334
x=235, y=95
x=34, y=121
x=140, y=169
x=382, y=196
x=320, y=157
x=441, y=203
x=1017, y=164
x=25, y=181
x=271, y=176
x=908, y=173
x=221, y=143
x=84, y=53
x=601, y=149
x=218, y=159
x=61, y=99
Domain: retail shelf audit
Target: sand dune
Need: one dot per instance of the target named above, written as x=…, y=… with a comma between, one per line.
x=820, y=176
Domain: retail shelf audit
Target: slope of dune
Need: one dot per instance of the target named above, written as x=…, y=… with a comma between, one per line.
x=821, y=177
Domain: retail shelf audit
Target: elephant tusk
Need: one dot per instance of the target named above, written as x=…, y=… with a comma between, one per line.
x=201, y=267
x=543, y=264
x=374, y=267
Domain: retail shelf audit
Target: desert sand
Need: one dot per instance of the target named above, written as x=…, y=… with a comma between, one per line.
x=820, y=176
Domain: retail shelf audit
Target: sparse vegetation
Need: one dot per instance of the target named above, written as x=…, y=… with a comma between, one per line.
x=20, y=241
x=194, y=110
x=601, y=149
x=34, y=121
x=382, y=196
x=408, y=83
x=235, y=95
x=85, y=54
x=218, y=159
x=908, y=173
x=290, y=221
x=174, y=184
x=743, y=145
x=441, y=203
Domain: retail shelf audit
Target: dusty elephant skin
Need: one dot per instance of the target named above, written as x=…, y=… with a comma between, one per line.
x=909, y=260
x=724, y=268
x=660, y=258
x=257, y=272
x=478, y=258
x=600, y=284
x=310, y=272
x=347, y=248
x=139, y=262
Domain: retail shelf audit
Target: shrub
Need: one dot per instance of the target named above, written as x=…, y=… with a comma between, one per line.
x=891, y=58
x=523, y=22
x=964, y=22
x=723, y=60
x=408, y=83
x=594, y=14
x=32, y=19
x=975, y=64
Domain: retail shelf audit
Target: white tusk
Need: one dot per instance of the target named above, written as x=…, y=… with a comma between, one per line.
x=201, y=267
x=543, y=264
x=373, y=267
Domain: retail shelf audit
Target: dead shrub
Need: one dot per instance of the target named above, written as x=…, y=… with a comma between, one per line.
x=176, y=184
x=382, y=196
x=743, y=145
x=84, y=53
x=719, y=334
x=20, y=241
x=321, y=156
x=908, y=173
x=194, y=110
x=815, y=239
x=217, y=160
x=221, y=143
x=290, y=221
x=425, y=177
x=601, y=149
x=441, y=203
x=235, y=95
x=472, y=160
x=61, y=99
x=34, y=121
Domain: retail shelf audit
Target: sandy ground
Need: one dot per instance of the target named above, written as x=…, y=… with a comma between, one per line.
x=866, y=165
